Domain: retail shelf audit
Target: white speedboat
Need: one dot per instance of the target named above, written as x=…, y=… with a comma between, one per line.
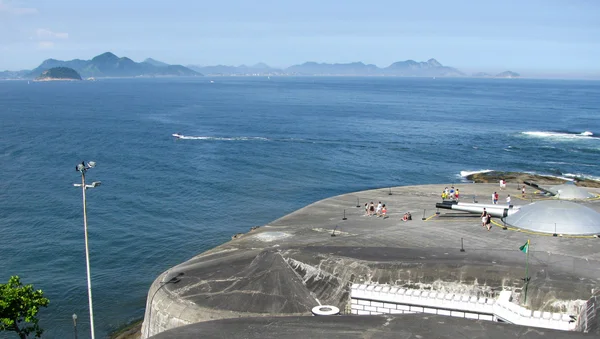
x=177, y=135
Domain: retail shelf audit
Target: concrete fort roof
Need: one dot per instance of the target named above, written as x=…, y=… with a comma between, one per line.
x=293, y=263
x=404, y=326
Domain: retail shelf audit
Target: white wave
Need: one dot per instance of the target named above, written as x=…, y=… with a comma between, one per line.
x=569, y=163
x=572, y=176
x=185, y=137
x=560, y=135
x=465, y=174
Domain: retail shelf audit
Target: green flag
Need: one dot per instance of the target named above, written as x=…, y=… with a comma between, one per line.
x=525, y=248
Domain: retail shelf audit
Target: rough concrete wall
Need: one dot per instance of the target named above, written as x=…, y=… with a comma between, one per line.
x=589, y=319
x=329, y=278
x=162, y=312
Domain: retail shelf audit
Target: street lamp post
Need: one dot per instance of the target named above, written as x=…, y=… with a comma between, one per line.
x=82, y=168
x=75, y=324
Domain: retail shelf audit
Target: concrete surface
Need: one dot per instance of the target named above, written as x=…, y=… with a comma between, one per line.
x=344, y=327
x=293, y=264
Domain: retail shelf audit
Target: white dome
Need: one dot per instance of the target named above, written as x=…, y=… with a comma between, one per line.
x=562, y=217
x=569, y=191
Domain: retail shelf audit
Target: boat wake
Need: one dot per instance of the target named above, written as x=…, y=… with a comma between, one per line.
x=560, y=135
x=211, y=138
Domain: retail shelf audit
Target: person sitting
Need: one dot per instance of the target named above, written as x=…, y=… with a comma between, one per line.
x=407, y=216
x=383, y=212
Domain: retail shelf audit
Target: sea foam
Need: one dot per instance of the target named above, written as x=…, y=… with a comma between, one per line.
x=560, y=135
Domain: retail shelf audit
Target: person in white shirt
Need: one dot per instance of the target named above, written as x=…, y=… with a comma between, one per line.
x=508, y=200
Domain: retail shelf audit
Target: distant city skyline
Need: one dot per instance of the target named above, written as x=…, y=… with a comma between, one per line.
x=535, y=36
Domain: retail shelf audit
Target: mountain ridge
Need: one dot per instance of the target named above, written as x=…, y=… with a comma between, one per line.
x=431, y=67
x=109, y=65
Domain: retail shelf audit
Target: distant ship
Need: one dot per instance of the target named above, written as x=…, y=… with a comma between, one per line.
x=177, y=135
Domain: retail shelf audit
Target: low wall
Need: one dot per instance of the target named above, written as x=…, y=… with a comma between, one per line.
x=381, y=299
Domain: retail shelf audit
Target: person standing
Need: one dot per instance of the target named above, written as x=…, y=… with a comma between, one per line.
x=508, y=200
x=494, y=198
x=523, y=192
x=484, y=217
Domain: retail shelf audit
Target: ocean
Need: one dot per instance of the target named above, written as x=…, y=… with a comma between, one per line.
x=254, y=149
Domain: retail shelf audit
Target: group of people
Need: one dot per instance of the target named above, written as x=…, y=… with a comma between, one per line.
x=452, y=194
x=495, y=199
x=380, y=210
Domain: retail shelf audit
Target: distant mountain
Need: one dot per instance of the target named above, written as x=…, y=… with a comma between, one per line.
x=109, y=65
x=353, y=68
x=402, y=68
x=258, y=69
x=14, y=74
x=508, y=74
x=430, y=67
x=156, y=62
x=59, y=73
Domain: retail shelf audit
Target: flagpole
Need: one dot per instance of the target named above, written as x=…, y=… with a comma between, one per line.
x=526, y=272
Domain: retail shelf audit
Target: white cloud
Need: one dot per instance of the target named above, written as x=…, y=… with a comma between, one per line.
x=45, y=45
x=9, y=8
x=46, y=34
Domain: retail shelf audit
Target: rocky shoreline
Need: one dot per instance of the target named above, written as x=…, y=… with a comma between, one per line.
x=520, y=177
x=130, y=331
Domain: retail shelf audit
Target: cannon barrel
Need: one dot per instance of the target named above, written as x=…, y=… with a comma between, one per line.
x=494, y=210
x=536, y=186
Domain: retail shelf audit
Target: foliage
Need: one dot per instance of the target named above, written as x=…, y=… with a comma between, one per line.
x=60, y=73
x=19, y=306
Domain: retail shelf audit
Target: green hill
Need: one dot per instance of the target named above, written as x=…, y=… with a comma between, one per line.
x=59, y=73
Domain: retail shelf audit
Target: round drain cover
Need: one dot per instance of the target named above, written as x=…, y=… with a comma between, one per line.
x=325, y=310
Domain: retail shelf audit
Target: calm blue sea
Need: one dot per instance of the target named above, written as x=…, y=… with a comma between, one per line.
x=256, y=149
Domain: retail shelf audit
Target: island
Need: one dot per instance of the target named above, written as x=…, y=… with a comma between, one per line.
x=59, y=73
x=508, y=75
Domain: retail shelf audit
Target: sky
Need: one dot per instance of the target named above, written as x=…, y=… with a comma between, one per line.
x=535, y=36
